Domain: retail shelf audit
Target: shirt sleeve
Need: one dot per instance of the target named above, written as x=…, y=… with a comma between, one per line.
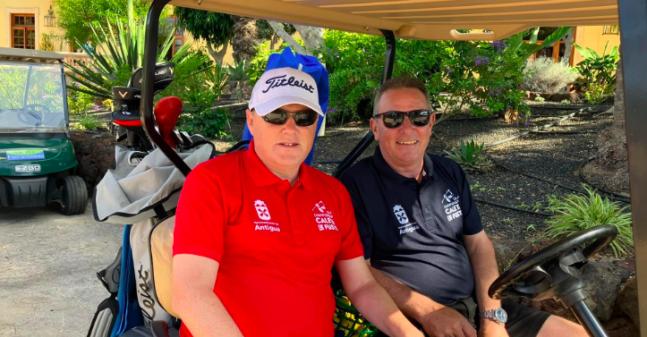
x=471, y=218
x=351, y=246
x=200, y=217
x=361, y=215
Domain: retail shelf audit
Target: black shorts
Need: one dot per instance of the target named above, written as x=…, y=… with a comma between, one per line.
x=523, y=321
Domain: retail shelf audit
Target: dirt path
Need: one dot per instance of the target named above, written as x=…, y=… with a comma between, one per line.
x=47, y=271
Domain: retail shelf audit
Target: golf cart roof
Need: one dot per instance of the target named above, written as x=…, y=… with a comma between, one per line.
x=17, y=54
x=422, y=19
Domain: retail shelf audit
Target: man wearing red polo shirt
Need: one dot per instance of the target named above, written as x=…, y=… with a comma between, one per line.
x=257, y=232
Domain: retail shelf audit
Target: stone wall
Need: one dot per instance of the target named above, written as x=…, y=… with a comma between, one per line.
x=95, y=152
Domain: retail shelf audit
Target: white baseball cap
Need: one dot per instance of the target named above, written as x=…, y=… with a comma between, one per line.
x=281, y=86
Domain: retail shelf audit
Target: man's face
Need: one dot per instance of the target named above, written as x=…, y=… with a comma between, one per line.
x=282, y=148
x=404, y=146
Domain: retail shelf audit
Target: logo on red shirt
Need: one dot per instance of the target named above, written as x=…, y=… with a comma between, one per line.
x=323, y=217
x=264, y=214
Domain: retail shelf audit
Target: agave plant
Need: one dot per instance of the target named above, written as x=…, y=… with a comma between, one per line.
x=471, y=155
x=119, y=50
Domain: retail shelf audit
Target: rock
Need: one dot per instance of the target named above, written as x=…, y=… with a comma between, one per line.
x=627, y=301
x=603, y=280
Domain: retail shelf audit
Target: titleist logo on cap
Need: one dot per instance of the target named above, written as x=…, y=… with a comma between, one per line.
x=284, y=80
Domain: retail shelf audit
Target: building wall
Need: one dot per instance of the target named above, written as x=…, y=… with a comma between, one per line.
x=595, y=37
x=37, y=7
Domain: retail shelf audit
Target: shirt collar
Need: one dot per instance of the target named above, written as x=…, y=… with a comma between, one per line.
x=385, y=169
x=260, y=175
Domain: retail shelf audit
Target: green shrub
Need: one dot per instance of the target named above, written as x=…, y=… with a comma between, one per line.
x=598, y=73
x=211, y=123
x=78, y=103
x=89, y=122
x=117, y=50
x=471, y=156
x=545, y=76
x=577, y=212
x=199, y=83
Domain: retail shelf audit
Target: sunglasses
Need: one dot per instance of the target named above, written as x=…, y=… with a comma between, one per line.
x=279, y=116
x=393, y=119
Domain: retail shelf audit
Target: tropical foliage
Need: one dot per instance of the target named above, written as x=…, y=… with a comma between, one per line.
x=117, y=52
x=471, y=156
x=76, y=17
x=598, y=72
x=577, y=212
x=483, y=77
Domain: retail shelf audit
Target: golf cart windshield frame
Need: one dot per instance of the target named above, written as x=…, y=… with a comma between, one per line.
x=18, y=119
x=632, y=14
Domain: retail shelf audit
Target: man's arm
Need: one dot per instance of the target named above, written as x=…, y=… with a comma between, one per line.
x=483, y=259
x=436, y=319
x=194, y=300
x=371, y=299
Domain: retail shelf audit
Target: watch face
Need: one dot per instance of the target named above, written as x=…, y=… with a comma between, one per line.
x=501, y=315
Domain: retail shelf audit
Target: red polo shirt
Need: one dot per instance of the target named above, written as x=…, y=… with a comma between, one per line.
x=275, y=243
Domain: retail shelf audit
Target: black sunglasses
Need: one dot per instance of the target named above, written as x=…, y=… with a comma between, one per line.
x=279, y=116
x=393, y=119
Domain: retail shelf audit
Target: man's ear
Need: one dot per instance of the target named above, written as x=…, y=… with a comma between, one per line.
x=373, y=126
x=249, y=119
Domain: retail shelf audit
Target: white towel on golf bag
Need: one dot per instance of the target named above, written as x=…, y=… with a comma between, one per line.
x=129, y=193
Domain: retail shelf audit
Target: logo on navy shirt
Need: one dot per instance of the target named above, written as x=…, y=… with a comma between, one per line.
x=403, y=219
x=451, y=204
x=323, y=217
x=263, y=213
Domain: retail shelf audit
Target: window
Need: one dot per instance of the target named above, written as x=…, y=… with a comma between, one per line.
x=610, y=30
x=23, y=33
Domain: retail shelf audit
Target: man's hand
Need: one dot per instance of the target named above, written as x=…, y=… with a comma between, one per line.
x=492, y=329
x=447, y=322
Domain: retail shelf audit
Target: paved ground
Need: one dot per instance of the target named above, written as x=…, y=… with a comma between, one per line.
x=48, y=263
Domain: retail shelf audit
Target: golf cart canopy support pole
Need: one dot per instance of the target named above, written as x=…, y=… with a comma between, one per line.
x=389, y=58
x=146, y=108
x=633, y=37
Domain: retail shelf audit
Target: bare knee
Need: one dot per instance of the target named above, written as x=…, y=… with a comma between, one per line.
x=558, y=326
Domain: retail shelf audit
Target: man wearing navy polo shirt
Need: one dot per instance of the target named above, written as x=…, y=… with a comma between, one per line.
x=257, y=232
x=422, y=231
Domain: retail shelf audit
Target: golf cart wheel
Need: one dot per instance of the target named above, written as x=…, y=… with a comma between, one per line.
x=75, y=195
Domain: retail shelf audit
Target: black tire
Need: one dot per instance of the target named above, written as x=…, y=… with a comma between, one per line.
x=74, y=195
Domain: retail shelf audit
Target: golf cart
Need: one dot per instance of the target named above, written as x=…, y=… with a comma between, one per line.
x=552, y=272
x=37, y=159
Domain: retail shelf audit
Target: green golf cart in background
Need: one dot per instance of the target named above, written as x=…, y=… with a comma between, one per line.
x=37, y=160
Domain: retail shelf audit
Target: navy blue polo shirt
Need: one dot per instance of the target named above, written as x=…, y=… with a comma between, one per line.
x=414, y=231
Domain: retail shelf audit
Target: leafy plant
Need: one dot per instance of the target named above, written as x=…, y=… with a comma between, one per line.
x=88, y=122
x=211, y=123
x=545, y=76
x=598, y=73
x=77, y=16
x=118, y=51
x=78, y=103
x=577, y=212
x=471, y=155
x=199, y=83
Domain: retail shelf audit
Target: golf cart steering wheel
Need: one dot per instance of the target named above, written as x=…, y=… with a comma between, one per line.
x=33, y=113
x=524, y=277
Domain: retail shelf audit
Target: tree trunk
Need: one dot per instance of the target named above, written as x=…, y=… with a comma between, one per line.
x=609, y=169
x=244, y=39
x=280, y=31
x=217, y=55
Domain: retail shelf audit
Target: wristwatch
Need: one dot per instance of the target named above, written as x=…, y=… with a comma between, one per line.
x=498, y=315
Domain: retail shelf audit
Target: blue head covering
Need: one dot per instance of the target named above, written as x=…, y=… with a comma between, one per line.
x=310, y=65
